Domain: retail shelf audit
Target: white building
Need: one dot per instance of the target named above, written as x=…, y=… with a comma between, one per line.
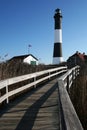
x=30, y=59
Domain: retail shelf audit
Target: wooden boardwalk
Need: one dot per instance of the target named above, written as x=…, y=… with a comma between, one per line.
x=35, y=110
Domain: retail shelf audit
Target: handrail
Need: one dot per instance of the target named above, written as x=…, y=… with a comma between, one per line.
x=68, y=117
x=68, y=77
x=47, y=74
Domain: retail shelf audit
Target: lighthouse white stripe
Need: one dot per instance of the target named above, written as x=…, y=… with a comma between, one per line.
x=57, y=60
x=58, y=36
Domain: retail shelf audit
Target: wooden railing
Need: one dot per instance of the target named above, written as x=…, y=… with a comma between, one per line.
x=31, y=80
x=68, y=77
x=68, y=117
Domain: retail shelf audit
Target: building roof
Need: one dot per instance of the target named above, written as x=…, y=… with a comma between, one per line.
x=82, y=56
x=22, y=57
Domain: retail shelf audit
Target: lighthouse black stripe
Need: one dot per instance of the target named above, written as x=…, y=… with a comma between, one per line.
x=58, y=23
x=57, y=50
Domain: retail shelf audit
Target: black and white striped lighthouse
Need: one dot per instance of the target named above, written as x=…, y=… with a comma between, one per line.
x=57, y=52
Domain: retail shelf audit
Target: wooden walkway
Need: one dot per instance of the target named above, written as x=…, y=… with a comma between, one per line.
x=36, y=110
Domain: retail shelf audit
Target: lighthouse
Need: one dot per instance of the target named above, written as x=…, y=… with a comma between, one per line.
x=57, y=52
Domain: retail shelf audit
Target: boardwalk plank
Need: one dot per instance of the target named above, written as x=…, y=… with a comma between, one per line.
x=37, y=110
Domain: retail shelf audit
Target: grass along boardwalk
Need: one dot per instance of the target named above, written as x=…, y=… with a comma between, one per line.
x=35, y=110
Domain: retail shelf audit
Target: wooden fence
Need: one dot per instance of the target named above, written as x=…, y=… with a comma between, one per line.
x=68, y=117
x=26, y=82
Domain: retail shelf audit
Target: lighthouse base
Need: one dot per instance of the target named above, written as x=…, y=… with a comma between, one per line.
x=57, y=60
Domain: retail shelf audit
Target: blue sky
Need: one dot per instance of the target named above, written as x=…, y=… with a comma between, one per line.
x=24, y=22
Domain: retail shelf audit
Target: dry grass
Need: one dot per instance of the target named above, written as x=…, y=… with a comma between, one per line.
x=14, y=68
x=17, y=67
x=78, y=94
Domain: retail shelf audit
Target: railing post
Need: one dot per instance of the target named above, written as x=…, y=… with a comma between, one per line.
x=78, y=69
x=7, y=100
x=34, y=81
x=49, y=75
x=72, y=75
x=75, y=72
x=67, y=84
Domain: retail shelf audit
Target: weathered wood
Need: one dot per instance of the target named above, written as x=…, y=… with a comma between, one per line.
x=68, y=117
x=10, y=81
x=39, y=109
x=6, y=83
x=36, y=110
x=69, y=73
x=71, y=120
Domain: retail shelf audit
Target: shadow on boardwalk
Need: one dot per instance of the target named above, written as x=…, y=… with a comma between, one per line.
x=29, y=117
x=31, y=113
